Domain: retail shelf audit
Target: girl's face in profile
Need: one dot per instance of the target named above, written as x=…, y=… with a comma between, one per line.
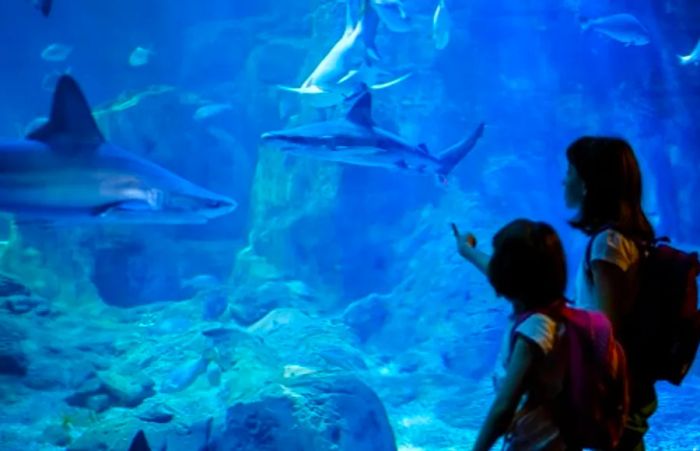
x=574, y=189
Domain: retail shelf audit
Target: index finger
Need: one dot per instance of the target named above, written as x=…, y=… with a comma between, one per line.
x=455, y=230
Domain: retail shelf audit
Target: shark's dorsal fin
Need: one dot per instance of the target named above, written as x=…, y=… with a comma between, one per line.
x=423, y=148
x=71, y=127
x=361, y=111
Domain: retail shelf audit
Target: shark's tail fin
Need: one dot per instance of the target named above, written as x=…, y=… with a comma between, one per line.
x=370, y=23
x=454, y=154
x=584, y=22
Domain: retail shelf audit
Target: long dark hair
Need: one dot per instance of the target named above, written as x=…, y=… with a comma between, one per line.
x=613, y=187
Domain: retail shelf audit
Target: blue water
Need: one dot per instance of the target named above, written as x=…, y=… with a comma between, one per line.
x=333, y=292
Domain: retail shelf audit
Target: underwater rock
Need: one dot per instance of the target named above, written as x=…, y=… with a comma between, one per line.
x=214, y=304
x=54, y=374
x=157, y=413
x=139, y=282
x=253, y=301
x=311, y=414
x=366, y=316
x=13, y=359
x=128, y=391
x=10, y=286
x=115, y=433
x=57, y=435
x=281, y=317
x=111, y=390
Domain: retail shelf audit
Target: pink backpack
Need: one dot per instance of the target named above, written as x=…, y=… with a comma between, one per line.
x=595, y=401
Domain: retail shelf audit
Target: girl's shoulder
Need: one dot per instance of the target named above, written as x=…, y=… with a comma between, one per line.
x=540, y=329
x=614, y=247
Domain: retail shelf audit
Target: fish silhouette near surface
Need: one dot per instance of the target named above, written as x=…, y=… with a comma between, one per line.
x=44, y=6
x=441, y=26
x=140, y=56
x=355, y=139
x=56, y=52
x=624, y=28
x=66, y=172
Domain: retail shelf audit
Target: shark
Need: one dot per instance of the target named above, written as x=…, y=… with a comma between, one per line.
x=350, y=64
x=356, y=139
x=66, y=172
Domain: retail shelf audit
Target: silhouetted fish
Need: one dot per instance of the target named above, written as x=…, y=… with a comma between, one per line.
x=624, y=28
x=44, y=6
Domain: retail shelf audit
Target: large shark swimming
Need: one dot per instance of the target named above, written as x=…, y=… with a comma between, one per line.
x=65, y=171
x=350, y=64
x=356, y=139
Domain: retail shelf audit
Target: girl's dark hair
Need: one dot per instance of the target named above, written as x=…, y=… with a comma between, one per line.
x=613, y=183
x=528, y=264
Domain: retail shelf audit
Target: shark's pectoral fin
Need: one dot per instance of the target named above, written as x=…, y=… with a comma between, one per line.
x=303, y=90
x=401, y=164
x=351, y=73
x=391, y=83
x=71, y=127
x=122, y=205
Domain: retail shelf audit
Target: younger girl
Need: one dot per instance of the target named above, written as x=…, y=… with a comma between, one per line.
x=528, y=268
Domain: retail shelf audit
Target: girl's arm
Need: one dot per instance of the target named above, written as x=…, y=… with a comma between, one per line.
x=512, y=389
x=612, y=291
x=466, y=245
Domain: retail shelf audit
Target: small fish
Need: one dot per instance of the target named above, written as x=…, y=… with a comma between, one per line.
x=210, y=110
x=441, y=26
x=296, y=371
x=140, y=57
x=56, y=52
x=44, y=6
x=693, y=58
x=393, y=14
x=624, y=28
x=226, y=335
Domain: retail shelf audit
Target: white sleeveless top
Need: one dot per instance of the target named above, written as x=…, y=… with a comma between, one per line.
x=609, y=246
